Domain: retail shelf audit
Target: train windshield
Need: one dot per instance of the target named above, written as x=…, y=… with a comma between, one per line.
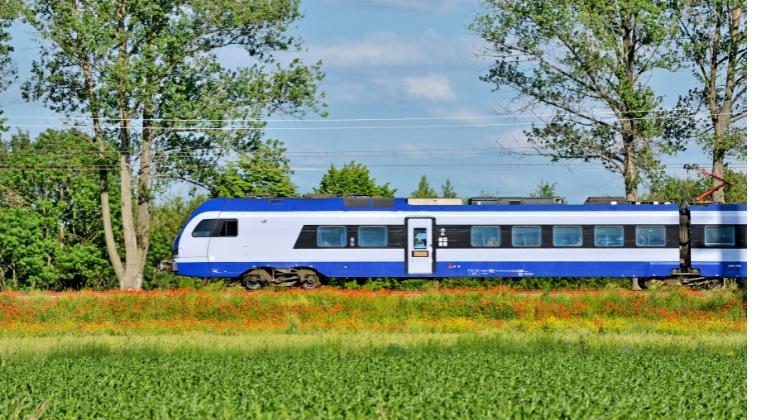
x=204, y=228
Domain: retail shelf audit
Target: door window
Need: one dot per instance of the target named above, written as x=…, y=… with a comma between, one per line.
x=419, y=238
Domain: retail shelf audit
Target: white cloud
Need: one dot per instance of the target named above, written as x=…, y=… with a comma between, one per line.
x=435, y=87
x=387, y=49
x=439, y=7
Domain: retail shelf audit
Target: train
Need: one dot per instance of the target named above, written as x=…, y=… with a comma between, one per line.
x=300, y=241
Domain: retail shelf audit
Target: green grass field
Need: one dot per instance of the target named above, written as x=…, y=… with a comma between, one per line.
x=375, y=375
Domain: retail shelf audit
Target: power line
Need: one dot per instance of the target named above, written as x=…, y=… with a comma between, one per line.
x=324, y=167
x=89, y=118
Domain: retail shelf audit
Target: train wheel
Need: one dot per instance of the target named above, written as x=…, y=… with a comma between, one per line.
x=252, y=285
x=309, y=278
x=255, y=279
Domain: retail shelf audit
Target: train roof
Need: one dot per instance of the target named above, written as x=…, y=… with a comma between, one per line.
x=402, y=204
x=720, y=207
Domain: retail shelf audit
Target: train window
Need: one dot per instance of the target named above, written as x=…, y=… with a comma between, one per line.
x=228, y=228
x=203, y=229
x=331, y=237
x=609, y=235
x=486, y=236
x=651, y=236
x=567, y=236
x=719, y=236
x=526, y=236
x=372, y=236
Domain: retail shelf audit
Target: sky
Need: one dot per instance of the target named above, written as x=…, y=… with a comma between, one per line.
x=404, y=98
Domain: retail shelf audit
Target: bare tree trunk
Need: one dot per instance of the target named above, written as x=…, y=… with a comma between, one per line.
x=106, y=213
x=133, y=268
x=631, y=176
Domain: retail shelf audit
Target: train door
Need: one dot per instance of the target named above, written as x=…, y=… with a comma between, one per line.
x=420, y=258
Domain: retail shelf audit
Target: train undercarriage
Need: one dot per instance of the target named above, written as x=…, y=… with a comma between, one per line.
x=281, y=277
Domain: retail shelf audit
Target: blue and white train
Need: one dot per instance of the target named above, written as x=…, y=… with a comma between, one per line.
x=297, y=241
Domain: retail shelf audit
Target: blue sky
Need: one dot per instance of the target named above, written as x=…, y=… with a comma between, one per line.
x=415, y=62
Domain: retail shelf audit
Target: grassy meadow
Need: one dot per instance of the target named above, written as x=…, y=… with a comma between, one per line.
x=328, y=353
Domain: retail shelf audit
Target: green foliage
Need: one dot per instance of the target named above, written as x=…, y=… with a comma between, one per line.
x=8, y=11
x=474, y=378
x=714, y=46
x=447, y=190
x=424, y=190
x=670, y=188
x=50, y=225
x=149, y=75
x=545, y=189
x=264, y=172
x=168, y=218
x=736, y=194
x=589, y=61
x=352, y=179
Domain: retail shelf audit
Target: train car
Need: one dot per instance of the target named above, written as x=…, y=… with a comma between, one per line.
x=287, y=241
x=718, y=240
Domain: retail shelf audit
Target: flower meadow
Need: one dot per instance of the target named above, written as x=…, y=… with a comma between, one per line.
x=677, y=311
x=330, y=353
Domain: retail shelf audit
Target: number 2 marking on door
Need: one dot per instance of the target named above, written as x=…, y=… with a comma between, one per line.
x=442, y=231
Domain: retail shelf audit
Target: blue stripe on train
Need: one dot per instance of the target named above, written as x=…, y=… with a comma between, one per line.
x=729, y=269
x=454, y=269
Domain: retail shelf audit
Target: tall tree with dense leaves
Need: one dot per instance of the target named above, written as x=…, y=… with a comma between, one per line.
x=424, y=190
x=8, y=11
x=352, y=179
x=586, y=62
x=713, y=39
x=50, y=222
x=146, y=75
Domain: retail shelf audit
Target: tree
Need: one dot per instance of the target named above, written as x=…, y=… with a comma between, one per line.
x=264, y=171
x=8, y=11
x=168, y=217
x=424, y=190
x=352, y=179
x=713, y=39
x=447, y=189
x=677, y=190
x=50, y=225
x=544, y=189
x=147, y=76
x=588, y=62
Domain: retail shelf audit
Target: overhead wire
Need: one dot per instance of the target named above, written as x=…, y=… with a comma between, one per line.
x=89, y=118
